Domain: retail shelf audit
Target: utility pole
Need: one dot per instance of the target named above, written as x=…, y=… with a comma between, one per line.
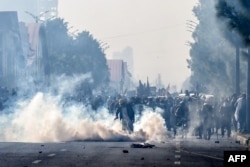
x=37, y=18
x=248, y=93
x=237, y=70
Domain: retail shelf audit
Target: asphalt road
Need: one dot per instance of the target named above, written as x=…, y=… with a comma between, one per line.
x=188, y=152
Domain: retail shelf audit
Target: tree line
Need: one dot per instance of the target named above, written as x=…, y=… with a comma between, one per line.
x=75, y=54
x=219, y=56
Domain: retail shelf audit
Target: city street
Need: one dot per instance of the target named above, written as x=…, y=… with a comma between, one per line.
x=174, y=152
x=124, y=83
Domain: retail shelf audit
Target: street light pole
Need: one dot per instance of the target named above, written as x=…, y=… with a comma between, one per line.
x=248, y=93
x=237, y=70
x=37, y=18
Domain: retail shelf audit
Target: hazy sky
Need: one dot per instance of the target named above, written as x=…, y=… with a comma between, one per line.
x=155, y=29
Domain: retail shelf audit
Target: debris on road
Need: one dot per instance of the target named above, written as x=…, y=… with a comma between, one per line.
x=142, y=145
x=125, y=151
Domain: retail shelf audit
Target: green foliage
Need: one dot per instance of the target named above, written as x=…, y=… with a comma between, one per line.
x=237, y=14
x=79, y=55
x=92, y=55
x=212, y=59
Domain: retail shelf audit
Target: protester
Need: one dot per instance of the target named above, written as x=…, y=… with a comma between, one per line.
x=126, y=114
x=240, y=113
x=226, y=117
x=206, y=116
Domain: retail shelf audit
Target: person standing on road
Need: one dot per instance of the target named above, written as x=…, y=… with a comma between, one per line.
x=226, y=117
x=126, y=114
x=206, y=116
x=240, y=113
x=233, y=108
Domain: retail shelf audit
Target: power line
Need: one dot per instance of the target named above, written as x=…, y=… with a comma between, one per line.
x=143, y=32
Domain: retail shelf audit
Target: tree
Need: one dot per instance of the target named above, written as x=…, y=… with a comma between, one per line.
x=58, y=42
x=210, y=60
x=237, y=16
x=89, y=52
x=79, y=55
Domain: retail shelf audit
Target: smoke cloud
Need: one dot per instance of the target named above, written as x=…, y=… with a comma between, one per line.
x=48, y=117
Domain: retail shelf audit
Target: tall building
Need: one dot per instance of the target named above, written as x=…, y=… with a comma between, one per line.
x=10, y=49
x=126, y=55
x=120, y=77
x=23, y=53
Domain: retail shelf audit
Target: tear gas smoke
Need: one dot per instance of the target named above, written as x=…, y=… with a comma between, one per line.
x=45, y=118
x=66, y=85
x=153, y=124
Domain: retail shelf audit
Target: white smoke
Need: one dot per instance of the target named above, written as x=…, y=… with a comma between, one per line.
x=45, y=118
x=66, y=84
x=152, y=125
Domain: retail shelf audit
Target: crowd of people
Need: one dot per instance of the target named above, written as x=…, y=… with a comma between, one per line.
x=197, y=114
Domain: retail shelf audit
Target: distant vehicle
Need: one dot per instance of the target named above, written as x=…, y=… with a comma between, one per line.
x=183, y=95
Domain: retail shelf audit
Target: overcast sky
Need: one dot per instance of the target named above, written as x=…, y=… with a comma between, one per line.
x=155, y=29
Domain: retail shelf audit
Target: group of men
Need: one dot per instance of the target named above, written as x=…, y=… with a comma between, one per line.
x=201, y=115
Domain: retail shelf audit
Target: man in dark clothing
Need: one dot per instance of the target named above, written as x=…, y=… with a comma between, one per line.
x=126, y=114
x=226, y=117
x=182, y=112
x=182, y=117
x=206, y=116
x=167, y=114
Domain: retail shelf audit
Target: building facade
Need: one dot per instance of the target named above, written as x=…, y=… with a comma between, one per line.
x=11, y=55
x=120, y=77
x=23, y=53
